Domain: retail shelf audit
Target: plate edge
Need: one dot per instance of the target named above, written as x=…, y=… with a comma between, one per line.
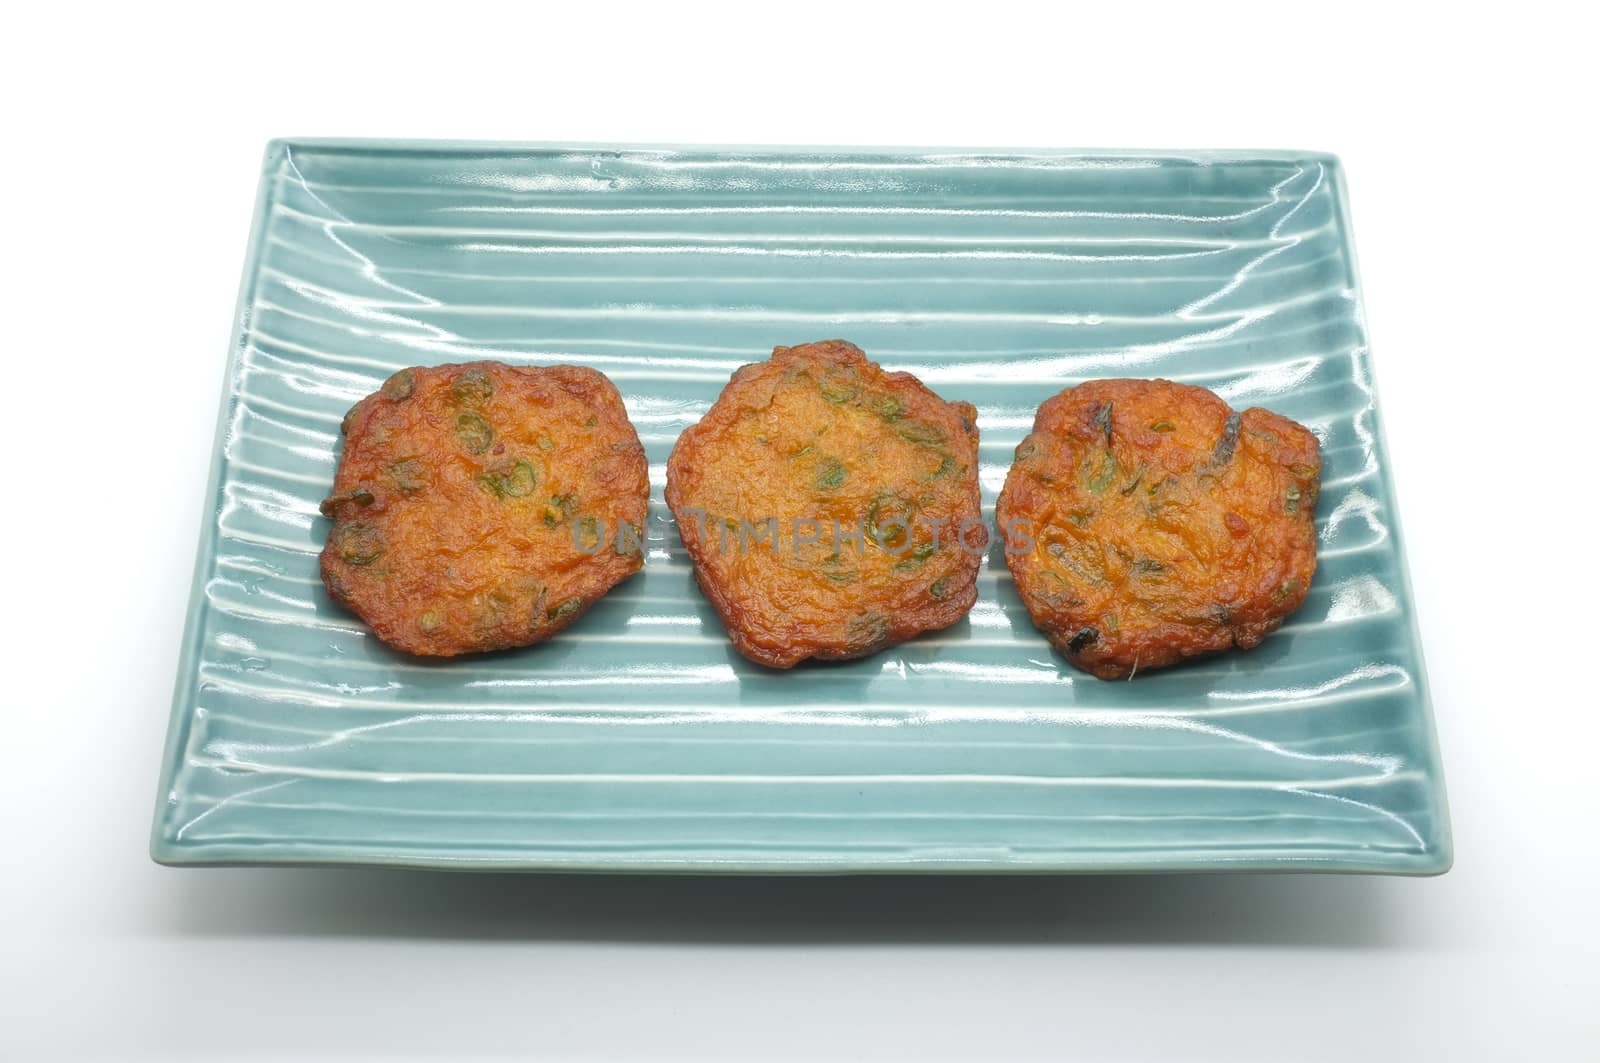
x=1442, y=844
x=1427, y=864
x=180, y=715
x=1436, y=859
x=1202, y=156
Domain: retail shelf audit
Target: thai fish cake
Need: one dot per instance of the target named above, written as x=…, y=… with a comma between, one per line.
x=484, y=506
x=830, y=508
x=1146, y=522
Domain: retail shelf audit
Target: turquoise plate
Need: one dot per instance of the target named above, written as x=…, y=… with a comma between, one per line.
x=638, y=740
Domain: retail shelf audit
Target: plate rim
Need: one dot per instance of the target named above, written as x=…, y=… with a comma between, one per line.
x=1436, y=859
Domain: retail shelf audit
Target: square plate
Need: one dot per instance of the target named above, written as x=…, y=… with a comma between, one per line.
x=638, y=739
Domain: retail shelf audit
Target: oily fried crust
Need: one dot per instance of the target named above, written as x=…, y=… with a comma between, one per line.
x=1159, y=523
x=820, y=433
x=484, y=506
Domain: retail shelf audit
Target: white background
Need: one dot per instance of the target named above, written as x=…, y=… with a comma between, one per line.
x=131, y=150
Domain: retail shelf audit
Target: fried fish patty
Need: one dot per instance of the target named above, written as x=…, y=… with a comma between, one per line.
x=484, y=506
x=823, y=502
x=1146, y=522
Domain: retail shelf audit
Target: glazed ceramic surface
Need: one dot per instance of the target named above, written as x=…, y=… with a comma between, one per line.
x=638, y=739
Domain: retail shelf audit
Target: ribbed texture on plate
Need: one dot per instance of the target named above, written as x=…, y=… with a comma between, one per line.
x=639, y=739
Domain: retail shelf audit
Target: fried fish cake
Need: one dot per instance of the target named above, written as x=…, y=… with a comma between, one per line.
x=830, y=508
x=484, y=506
x=1146, y=522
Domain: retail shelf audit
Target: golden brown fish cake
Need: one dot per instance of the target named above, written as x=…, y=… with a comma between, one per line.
x=1146, y=523
x=484, y=506
x=817, y=435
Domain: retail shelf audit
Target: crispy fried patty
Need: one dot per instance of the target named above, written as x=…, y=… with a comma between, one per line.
x=1146, y=523
x=822, y=502
x=484, y=506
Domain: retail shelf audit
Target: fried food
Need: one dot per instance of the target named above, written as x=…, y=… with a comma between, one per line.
x=1146, y=522
x=484, y=506
x=830, y=508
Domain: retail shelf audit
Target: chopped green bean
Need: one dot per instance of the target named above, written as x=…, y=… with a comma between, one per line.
x=360, y=496
x=359, y=543
x=890, y=509
x=559, y=509
x=870, y=629
x=916, y=558
x=472, y=387
x=565, y=609
x=474, y=432
x=1107, y=472
x=920, y=432
x=587, y=533
x=517, y=481
x=400, y=386
x=409, y=475
x=839, y=383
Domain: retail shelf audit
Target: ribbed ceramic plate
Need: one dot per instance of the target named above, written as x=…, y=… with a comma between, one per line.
x=638, y=739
